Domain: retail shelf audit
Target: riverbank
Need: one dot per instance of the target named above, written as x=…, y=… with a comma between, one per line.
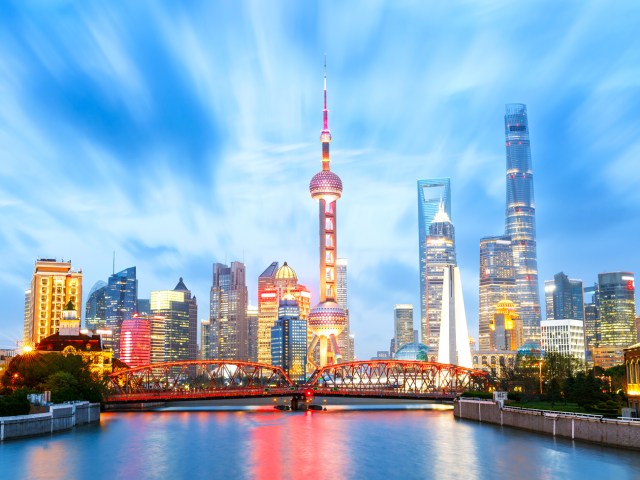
x=58, y=418
x=588, y=428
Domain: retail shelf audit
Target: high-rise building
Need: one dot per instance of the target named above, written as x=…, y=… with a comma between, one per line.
x=180, y=314
x=520, y=222
x=431, y=194
x=564, y=298
x=27, y=318
x=402, y=325
x=497, y=283
x=345, y=339
x=591, y=321
x=440, y=255
x=252, y=321
x=121, y=302
x=144, y=306
x=95, y=313
x=273, y=283
x=505, y=327
x=616, y=293
x=327, y=319
x=53, y=285
x=453, y=345
x=289, y=339
x=229, y=331
x=135, y=341
x=563, y=336
x=638, y=329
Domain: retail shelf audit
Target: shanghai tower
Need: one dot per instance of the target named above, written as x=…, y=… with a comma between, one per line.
x=520, y=222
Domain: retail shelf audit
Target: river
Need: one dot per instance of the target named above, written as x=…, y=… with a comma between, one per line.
x=341, y=443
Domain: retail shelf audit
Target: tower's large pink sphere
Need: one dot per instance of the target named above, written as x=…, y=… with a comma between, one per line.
x=326, y=184
x=327, y=318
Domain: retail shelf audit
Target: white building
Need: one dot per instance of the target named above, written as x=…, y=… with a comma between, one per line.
x=563, y=336
x=453, y=347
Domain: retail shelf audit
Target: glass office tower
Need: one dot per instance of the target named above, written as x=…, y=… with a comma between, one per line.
x=121, y=302
x=564, y=298
x=617, y=312
x=520, y=217
x=431, y=192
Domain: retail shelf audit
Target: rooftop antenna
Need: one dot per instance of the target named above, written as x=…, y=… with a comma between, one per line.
x=113, y=272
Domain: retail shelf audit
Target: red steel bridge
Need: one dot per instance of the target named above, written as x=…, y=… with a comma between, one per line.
x=225, y=379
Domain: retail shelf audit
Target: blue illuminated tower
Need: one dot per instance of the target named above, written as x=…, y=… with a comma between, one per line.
x=121, y=302
x=520, y=222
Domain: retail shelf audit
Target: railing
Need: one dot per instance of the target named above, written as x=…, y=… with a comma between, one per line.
x=555, y=413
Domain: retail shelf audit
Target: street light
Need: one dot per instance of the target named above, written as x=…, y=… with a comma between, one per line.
x=540, y=367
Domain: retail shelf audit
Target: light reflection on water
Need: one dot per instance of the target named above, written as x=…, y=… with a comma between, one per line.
x=343, y=442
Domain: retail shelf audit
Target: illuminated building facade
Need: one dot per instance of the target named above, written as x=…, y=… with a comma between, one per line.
x=346, y=341
x=327, y=319
x=228, y=336
x=563, y=336
x=497, y=283
x=27, y=317
x=520, y=222
x=607, y=357
x=431, y=194
x=53, y=285
x=505, y=327
x=95, y=312
x=440, y=255
x=135, y=341
x=289, y=339
x=180, y=314
x=495, y=362
x=564, y=298
x=273, y=283
x=252, y=320
x=402, y=326
x=617, y=312
x=632, y=367
x=121, y=302
x=69, y=340
x=453, y=346
x=591, y=321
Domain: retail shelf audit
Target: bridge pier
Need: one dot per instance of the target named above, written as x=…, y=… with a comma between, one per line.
x=299, y=403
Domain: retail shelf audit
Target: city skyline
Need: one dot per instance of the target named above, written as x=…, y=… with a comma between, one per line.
x=102, y=153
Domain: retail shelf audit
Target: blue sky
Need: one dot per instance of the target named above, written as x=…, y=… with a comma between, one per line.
x=180, y=134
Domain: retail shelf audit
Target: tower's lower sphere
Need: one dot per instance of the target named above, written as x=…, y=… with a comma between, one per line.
x=326, y=184
x=327, y=318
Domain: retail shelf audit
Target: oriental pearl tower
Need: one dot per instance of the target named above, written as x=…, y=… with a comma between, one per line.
x=327, y=319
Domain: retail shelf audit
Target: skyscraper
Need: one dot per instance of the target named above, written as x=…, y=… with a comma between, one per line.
x=616, y=292
x=520, y=222
x=95, y=313
x=229, y=331
x=53, y=285
x=345, y=339
x=289, y=339
x=497, y=282
x=121, y=302
x=440, y=254
x=179, y=311
x=252, y=321
x=591, y=321
x=327, y=319
x=402, y=325
x=564, y=298
x=431, y=193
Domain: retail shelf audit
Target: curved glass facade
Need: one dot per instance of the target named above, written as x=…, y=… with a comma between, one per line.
x=520, y=216
x=413, y=351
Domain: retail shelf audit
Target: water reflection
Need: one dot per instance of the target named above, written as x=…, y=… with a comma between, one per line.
x=340, y=443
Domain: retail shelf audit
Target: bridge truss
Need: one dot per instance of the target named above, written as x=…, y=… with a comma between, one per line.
x=211, y=379
x=396, y=378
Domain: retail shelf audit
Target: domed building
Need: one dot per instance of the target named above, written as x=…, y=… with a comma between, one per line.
x=273, y=284
x=415, y=351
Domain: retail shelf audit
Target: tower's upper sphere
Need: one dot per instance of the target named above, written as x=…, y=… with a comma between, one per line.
x=327, y=318
x=326, y=185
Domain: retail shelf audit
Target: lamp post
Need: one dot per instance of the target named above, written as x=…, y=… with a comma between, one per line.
x=540, y=369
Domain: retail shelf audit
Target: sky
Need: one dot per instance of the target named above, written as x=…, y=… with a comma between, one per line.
x=180, y=134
